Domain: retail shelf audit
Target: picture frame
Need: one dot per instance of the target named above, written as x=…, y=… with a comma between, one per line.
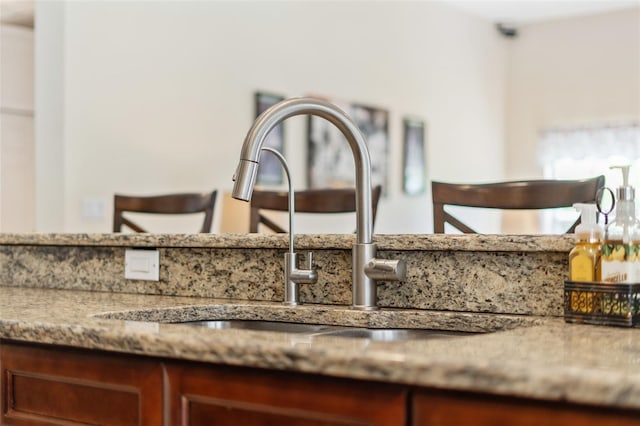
x=330, y=161
x=270, y=170
x=414, y=180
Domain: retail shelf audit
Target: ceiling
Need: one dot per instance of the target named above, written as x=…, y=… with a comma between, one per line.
x=21, y=12
x=523, y=11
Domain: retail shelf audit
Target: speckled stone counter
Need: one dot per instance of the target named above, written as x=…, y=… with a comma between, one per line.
x=474, y=273
x=403, y=242
x=542, y=358
x=70, y=290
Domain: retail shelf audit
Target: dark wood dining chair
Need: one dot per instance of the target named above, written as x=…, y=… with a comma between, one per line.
x=514, y=195
x=170, y=204
x=331, y=200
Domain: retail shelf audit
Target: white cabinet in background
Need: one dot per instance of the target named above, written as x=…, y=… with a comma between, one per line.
x=17, y=173
x=17, y=154
x=16, y=68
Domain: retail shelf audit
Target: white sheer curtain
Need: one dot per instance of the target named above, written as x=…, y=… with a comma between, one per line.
x=576, y=153
x=602, y=142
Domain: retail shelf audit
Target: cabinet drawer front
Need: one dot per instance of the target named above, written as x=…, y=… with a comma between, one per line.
x=55, y=385
x=37, y=397
x=201, y=411
x=433, y=408
x=245, y=396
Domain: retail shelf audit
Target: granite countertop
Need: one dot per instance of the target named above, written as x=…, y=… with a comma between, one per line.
x=400, y=242
x=535, y=357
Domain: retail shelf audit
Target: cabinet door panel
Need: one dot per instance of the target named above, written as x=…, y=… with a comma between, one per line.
x=200, y=411
x=223, y=396
x=449, y=409
x=42, y=386
x=40, y=396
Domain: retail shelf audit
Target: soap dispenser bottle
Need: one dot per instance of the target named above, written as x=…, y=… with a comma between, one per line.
x=619, y=260
x=584, y=258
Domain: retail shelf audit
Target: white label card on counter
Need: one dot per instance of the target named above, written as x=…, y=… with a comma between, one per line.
x=142, y=264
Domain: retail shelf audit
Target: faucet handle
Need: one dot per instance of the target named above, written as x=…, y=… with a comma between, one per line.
x=386, y=269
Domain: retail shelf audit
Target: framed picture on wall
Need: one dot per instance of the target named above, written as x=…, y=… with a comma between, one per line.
x=270, y=170
x=413, y=164
x=330, y=161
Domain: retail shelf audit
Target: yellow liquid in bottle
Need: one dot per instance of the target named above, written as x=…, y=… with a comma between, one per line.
x=584, y=266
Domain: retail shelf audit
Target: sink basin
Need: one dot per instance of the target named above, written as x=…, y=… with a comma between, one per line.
x=394, y=334
x=320, y=321
x=259, y=325
x=377, y=334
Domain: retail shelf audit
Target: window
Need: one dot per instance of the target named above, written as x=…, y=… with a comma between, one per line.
x=586, y=152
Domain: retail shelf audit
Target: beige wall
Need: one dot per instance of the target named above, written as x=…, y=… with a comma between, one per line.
x=157, y=96
x=565, y=72
x=49, y=119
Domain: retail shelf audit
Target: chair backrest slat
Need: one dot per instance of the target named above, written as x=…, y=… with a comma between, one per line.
x=183, y=203
x=514, y=195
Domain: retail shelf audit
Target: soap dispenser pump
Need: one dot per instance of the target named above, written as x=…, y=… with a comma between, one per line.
x=584, y=258
x=619, y=260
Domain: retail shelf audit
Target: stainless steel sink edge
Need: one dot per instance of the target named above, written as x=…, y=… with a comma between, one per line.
x=314, y=330
x=335, y=320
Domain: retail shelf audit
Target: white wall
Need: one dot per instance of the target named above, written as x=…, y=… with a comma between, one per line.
x=157, y=96
x=570, y=72
x=49, y=121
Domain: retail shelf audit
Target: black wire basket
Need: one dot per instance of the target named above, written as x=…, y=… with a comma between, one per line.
x=602, y=303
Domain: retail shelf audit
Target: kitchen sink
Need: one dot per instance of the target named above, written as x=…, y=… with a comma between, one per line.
x=376, y=334
x=393, y=334
x=324, y=322
x=260, y=325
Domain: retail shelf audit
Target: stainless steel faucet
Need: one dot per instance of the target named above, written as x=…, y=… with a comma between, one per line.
x=293, y=276
x=366, y=268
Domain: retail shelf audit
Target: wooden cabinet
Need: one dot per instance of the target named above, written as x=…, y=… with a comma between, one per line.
x=435, y=408
x=241, y=396
x=52, y=385
x=45, y=385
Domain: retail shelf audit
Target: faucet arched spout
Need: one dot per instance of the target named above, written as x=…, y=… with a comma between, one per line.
x=366, y=267
x=247, y=170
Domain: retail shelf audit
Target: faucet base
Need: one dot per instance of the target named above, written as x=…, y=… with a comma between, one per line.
x=363, y=287
x=369, y=269
x=293, y=277
x=364, y=308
